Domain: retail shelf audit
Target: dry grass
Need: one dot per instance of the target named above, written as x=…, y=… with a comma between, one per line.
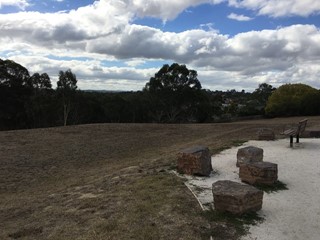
x=108, y=181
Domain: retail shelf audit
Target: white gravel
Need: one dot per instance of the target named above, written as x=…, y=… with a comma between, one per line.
x=292, y=214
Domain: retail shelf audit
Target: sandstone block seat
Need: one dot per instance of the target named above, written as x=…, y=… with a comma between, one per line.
x=266, y=134
x=194, y=161
x=265, y=173
x=249, y=154
x=236, y=198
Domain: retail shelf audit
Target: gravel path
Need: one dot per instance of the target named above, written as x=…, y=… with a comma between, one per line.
x=290, y=214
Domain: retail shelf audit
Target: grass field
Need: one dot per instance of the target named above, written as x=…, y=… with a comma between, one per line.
x=111, y=181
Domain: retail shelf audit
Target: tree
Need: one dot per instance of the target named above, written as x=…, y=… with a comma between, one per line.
x=291, y=100
x=173, y=78
x=40, y=81
x=13, y=74
x=40, y=105
x=14, y=93
x=310, y=103
x=257, y=101
x=263, y=92
x=174, y=94
x=66, y=86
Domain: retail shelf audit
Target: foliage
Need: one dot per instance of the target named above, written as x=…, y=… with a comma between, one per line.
x=40, y=81
x=263, y=92
x=13, y=74
x=66, y=86
x=293, y=99
x=67, y=81
x=14, y=93
x=174, y=94
x=310, y=103
x=173, y=78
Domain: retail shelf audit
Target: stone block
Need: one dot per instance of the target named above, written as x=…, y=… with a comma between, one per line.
x=266, y=134
x=194, y=161
x=236, y=198
x=249, y=154
x=265, y=173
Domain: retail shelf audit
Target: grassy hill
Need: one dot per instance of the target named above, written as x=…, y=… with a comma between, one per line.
x=110, y=181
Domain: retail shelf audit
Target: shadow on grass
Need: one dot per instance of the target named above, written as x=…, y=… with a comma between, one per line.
x=228, y=226
x=277, y=186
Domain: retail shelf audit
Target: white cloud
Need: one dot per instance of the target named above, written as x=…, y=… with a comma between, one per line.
x=276, y=56
x=91, y=74
x=103, y=31
x=237, y=17
x=277, y=8
x=137, y=41
x=168, y=10
x=54, y=29
x=135, y=62
x=207, y=26
x=165, y=9
x=248, y=53
x=22, y=4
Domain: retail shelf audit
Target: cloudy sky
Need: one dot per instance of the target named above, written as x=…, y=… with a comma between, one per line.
x=120, y=44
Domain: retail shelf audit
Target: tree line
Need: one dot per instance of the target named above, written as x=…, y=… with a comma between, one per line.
x=173, y=95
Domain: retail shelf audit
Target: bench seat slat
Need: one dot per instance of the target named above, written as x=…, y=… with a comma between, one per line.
x=296, y=131
x=290, y=132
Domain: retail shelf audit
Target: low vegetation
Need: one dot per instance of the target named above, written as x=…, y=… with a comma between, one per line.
x=111, y=181
x=239, y=225
x=294, y=100
x=229, y=144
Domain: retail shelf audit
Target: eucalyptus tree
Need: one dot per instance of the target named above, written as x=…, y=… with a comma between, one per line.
x=174, y=93
x=14, y=93
x=66, y=88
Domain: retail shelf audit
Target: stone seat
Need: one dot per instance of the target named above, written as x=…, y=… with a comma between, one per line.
x=265, y=173
x=236, y=198
x=194, y=161
x=249, y=154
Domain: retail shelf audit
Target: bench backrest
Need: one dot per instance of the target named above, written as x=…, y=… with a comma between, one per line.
x=302, y=126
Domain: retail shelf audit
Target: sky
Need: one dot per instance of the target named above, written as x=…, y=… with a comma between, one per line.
x=120, y=44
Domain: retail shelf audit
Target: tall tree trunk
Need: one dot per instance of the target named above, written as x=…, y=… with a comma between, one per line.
x=65, y=115
x=66, y=111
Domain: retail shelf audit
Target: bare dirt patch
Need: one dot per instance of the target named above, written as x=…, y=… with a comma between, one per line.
x=109, y=181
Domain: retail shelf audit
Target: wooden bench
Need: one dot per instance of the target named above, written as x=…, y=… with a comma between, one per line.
x=296, y=131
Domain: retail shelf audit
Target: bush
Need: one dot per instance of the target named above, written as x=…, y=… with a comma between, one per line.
x=293, y=100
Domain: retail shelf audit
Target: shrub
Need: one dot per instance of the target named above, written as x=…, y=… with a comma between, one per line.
x=293, y=100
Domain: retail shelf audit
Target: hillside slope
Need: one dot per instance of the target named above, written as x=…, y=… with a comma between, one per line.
x=109, y=181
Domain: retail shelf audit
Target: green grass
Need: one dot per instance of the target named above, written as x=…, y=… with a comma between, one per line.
x=234, y=143
x=150, y=204
x=238, y=142
x=228, y=221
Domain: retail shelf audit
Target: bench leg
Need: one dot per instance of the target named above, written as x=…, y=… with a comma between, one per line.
x=297, y=140
x=291, y=141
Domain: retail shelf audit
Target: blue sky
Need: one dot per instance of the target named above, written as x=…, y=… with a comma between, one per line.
x=120, y=44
